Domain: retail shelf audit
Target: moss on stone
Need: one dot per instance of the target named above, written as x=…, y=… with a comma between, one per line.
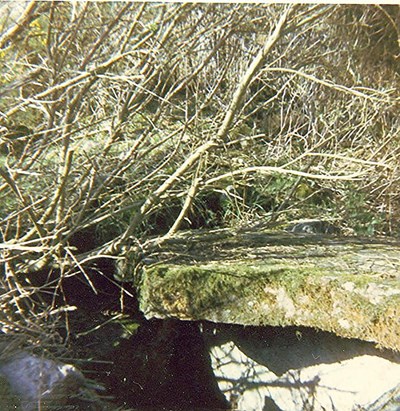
x=342, y=288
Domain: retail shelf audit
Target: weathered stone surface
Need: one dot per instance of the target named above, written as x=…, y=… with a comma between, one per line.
x=346, y=285
x=290, y=369
x=390, y=401
x=313, y=227
x=28, y=382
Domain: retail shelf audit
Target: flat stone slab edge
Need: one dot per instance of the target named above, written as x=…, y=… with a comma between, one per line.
x=348, y=286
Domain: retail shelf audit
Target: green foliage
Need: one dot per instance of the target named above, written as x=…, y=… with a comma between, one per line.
x=117, y=106
x=360, y=215
x=114, y=116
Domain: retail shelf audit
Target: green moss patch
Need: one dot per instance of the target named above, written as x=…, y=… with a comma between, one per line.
x=262, y=295
x=347, y=287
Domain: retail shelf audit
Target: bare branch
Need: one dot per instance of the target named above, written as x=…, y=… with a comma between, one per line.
x=282, y=170
x=382, y=96
x=253, y=69
x=30, y=14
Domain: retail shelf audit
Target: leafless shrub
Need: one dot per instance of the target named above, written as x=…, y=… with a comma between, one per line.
x=111, y=112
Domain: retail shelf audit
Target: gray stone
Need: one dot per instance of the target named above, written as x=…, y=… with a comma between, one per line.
x=311, y=371
x=390, y=401
x=345, y=285
x=30, y=381
x=313, y=227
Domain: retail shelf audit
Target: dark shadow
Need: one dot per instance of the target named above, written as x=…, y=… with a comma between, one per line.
x=283, y=348
x=165, y=365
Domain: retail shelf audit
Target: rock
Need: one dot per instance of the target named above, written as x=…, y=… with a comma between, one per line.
x=28, y=381
x=390, y=401
x=313, y=227
x=300, y=369
x=345, y=285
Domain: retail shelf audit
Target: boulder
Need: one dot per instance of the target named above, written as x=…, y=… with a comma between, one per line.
x=313, y=227
x=346, y=285
x=28, y=382
x=294, y=369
